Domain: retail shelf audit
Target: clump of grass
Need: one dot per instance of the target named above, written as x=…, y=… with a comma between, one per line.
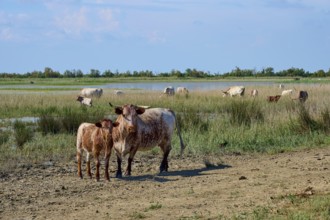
x=243, y=112
x=22, y=133
x=49, y=124
x=66, y=120
x=4, y=137
x=154, y=206
x=193, y=120
x=325, y=120
x=306, y=123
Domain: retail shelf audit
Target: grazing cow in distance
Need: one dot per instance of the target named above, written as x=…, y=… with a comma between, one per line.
x=169, y=90
x=95, y=139
x=118, y=92
x=182, y=90
x=302, y=96
x=281, y=86
x=91, y=92
x=273, y=98
x=142, y=129
x=84, y=101
x=287, y=92
x=254, y=93
x=234, y=91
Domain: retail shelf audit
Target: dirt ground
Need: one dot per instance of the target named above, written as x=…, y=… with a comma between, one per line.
x=228, y=186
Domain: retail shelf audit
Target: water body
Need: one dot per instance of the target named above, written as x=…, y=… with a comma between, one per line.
x=191, y=86
x=155, y=86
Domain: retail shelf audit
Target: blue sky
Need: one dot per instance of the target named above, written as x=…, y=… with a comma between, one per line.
x=162, y=35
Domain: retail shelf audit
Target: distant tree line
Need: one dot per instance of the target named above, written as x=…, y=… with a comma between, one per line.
x=189, y=73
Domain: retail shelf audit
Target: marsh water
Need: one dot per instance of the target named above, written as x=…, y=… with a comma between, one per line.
x=155, y=86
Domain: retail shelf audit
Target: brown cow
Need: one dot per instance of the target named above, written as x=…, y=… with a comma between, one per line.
x=94, y=139
x=273, y=98
x=302, y=96
x=142, y=129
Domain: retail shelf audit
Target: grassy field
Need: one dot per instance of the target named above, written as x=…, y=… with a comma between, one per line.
x=208, y=120
x=210, y=124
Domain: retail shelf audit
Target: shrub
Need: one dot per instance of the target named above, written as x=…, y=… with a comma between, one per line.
x=4, y=137
x=243, y=112
x=325, y=120
x=49, y=124
x=22, y=133
x=305, y=122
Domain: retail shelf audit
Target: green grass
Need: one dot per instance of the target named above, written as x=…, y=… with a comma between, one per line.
x=293, y=207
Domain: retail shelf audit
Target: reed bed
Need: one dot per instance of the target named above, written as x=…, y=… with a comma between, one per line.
x=210, y=123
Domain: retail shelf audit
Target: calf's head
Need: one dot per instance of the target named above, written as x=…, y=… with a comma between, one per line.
x=128, y=116
x=106, y=123
x=80, y=98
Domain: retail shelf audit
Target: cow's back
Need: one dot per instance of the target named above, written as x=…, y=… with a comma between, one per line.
x=156, y=125
x=91, y=92
x=83, y=134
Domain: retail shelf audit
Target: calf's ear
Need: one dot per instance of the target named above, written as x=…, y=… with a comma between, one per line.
x=115, y=124
x=98, y=124
x=119, y=110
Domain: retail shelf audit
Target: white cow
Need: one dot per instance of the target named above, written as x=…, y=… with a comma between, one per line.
x=287, y=92
x=234, y=91
x=84, y=100
x=169, y=91
x=118, y=92
x=182, y=90
x=91, y=92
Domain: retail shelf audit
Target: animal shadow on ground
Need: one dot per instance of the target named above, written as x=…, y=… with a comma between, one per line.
x=161, y=177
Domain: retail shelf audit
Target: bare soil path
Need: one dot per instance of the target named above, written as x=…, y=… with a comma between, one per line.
x=190, y=190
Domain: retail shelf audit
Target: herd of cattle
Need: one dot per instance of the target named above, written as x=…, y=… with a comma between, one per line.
x=85, y=96
x=302, y=95
x=139, y=128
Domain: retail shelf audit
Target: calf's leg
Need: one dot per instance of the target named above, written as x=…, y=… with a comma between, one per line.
x=106, y=165
x=88, y=164
x=97, y=163
x=79, y=155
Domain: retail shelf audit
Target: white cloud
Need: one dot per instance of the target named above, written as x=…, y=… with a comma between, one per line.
x=72, y=22
x=156, y=37
x=6, y=34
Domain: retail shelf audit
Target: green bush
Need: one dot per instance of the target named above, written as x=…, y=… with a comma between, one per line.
x=4, y=137
x=22, y=133
x=244, y=112
x=49, y=124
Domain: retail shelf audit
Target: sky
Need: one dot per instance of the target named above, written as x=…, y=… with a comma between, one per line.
x=215, y=36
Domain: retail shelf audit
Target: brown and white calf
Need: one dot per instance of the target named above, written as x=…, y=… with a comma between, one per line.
x=85, y=101
x=95, y=139
x=142, y=129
